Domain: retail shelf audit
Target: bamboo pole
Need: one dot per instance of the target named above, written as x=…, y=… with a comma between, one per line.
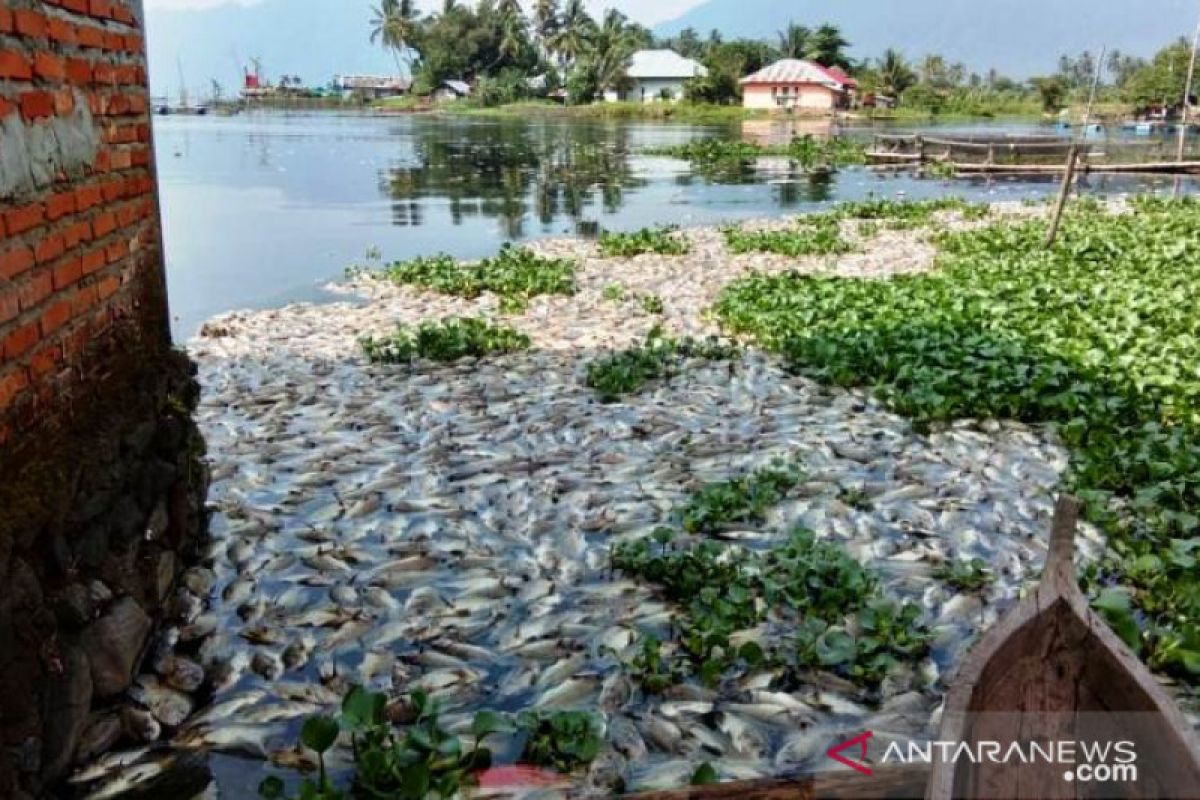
x=1073, y=158
x=1187, y=96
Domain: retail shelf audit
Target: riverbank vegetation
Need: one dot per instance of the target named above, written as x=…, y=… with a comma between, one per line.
x=1095, y=336
x=446, y=340
x=514, y=273
x=558, y=59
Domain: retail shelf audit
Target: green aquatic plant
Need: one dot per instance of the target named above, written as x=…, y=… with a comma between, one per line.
x=966, y=576
x=809, y=152
x=652, y=304
x=815, y=235
x=419, y=761
x=885, y=635
x=513, y=272
x=740, y=500
x=614, y=293
x=660, y=357
x=448, y=340
x=564, y=740
x=1097, y=336
x=909, y=213
x=663, y=241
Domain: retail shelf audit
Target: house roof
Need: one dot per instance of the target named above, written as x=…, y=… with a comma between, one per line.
x=372, y=82
x=664, y=64
x=459, y=87
x=794, y=70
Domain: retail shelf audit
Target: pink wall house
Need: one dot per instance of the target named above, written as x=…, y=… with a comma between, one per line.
x=793, y=84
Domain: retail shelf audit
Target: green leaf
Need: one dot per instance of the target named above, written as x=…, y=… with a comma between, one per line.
x=361, y=708
x=488, y=722
x=835, y=647
x=1115, y=605
x=704, y=775
x=271, y=788
x=319, y=733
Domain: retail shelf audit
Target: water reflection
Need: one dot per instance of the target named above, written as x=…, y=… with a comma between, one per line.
x=510, y=171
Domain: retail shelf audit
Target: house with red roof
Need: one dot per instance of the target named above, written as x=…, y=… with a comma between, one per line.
x=796, y=84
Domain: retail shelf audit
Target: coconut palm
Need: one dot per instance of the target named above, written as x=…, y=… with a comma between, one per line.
x=545, y=21
x=611, y=47
x=394, y=25
x=895, y=75
x=793, y=41
x=827, y=46
x=575, y=28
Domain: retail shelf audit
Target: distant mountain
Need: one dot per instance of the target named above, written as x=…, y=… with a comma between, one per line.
x=315, y=39
x=1019, y=37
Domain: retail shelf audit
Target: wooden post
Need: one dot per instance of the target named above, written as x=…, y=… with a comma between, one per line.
x=919, y=145
x=1063, y=194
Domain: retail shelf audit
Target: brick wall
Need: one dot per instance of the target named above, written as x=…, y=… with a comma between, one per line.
x=102, y=482
x=81, y=285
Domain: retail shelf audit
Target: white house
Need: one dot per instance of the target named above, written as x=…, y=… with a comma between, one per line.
x=656, y=75
x=452, y=90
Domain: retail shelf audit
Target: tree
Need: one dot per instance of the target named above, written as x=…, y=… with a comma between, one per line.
x=895, y=75
x=545, y=22
x=609, y=50
x=1163, y=80
x=827, y=46
x=794, y=40
x=575, y=28
x=1052, y=90
x=394, y=26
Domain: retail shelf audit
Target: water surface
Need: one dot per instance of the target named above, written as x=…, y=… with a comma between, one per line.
x=265, y=208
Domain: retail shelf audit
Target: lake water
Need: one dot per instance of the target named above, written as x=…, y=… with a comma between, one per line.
x=263, y=209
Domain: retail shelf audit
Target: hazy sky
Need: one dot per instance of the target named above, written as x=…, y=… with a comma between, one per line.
x=647, y=12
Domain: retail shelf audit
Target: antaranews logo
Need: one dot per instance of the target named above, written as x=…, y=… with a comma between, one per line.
x=1082, y=761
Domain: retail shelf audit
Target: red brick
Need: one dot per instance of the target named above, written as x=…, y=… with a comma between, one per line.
x=112, y=190
x=107, y=287
x=121, y=159
x=140, y=157
x=49, y=248
x=45, y=359
x=138, y=104
x=127, y=215
x=9, y=307
x=6, y=20
x=100, y=8
x=83, y=300
x=78, y=6
x=36, y=105
x=87, y=196
x=89, y=36
x=94, y=260
x=123, y=15
x=79, y=232
x=117, y=250
x=67, y=273
x=104, y=224
x=11, y=384
x=64, y=102
x=6, y=107
x=35, y=290
x=57, y=315
x=16, y=66
x=79, y=71
x=49, y=66
x=29, y=23
x=22, y=219
x=61, y=31
x=114, y=41
x=60, y=205
x=21, y=341
x=15, y=260
x=133, y=43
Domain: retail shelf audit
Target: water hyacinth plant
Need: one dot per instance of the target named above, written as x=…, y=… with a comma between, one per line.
x=660, y=357
x=1097, y=336
x=661, y=241
x=448, y=340
x=513, y=272
x=817, y=235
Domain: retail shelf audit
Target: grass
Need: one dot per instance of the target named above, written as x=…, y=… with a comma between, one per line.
x=514, y=272
x=447, y=340
x=1097, y=336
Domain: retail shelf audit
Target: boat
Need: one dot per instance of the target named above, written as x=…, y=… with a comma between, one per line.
x=1052, y=670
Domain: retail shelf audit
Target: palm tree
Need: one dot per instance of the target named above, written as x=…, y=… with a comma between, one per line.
x=827, y=46
x=895, y=75
x=395, y=26
x=793, y=41
x=570, y=41
x=612, y=46
x=545, y=22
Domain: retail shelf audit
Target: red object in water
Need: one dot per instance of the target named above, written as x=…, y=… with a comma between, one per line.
x=518, y=777
x=251, y=81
